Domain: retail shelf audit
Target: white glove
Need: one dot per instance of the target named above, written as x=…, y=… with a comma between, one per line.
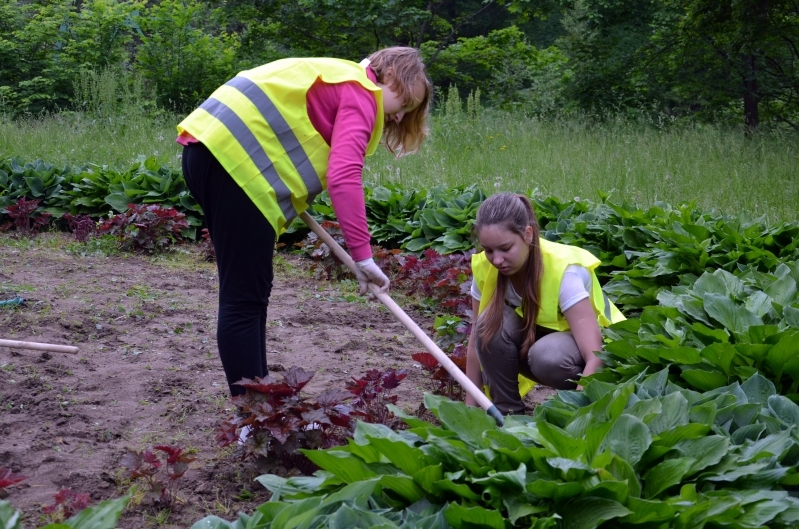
x=368, y=272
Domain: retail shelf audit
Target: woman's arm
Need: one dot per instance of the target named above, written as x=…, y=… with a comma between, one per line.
x=584, y=327
x=472, y=362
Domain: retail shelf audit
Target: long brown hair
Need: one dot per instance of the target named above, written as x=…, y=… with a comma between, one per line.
x=405, y=137
x=514, y=213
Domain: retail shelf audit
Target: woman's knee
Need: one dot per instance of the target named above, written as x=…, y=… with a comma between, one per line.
x=555, y=360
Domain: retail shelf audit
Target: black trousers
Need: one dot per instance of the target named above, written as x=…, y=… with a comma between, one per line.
x=244, y=243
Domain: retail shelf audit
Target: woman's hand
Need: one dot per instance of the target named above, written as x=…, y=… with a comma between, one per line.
x=367, y=272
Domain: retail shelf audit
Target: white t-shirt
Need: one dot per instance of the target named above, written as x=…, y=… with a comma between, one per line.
x=575, y=286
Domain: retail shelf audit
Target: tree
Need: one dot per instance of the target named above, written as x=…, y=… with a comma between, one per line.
x=719, y=53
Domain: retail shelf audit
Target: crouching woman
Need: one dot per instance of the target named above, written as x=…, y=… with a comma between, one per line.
x=538, y=307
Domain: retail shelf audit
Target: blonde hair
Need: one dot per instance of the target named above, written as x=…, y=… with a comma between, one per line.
x=514, y=213
x=405, y=137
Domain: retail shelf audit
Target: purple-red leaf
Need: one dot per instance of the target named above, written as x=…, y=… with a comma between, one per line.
x=8, y=478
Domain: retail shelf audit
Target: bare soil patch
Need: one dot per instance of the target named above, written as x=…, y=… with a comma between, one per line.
x=148, y=371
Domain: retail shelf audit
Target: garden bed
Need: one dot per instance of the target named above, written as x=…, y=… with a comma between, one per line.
x=148, y=372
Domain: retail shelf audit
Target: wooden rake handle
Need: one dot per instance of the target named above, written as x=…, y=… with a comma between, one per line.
x=39, y=346
x=400, y=314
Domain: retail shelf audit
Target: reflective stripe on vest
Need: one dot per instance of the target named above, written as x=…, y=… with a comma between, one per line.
x=250, y=143
x=284, y=134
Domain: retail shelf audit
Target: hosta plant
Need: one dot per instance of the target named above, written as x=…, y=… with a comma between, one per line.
x=643, y=454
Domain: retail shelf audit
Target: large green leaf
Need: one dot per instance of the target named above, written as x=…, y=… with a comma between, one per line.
x=10, y=518
x=759, y=303
x=758, y=389
x=674, y=414
x=629, y=438
x=791, y=315
x=704, y=380
x=560, y=442
x=118, y=201
x=622, y=471
x=343, y=465
x=104, y=515
x=298, y=514
x=459, y=516
x=665, y=475
x=648, y=511
x=762, y=512
x=406, y=457
x=784, y=351
x=404, y=486
x=784, y=409
x=783, y=290
x=733, y=317
x=707, y=451
x=772, y=445
x=591, y=512
x=468, y=421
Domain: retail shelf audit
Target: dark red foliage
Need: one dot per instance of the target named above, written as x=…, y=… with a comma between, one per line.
x=290, y=420
x=8, y=478
x=159, y=476
x=22, y=214
x=81, y=225
x=207, y=246
x=445, y=384
x=282, y=421
x=146, y=227
x=66, y=504
x=373, y=393
x=326, y=264
x=446, y=279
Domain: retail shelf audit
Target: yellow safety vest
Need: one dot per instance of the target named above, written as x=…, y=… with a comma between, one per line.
x=257, y=126
x=556, y=258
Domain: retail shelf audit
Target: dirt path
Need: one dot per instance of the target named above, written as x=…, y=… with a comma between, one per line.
x=148, y=372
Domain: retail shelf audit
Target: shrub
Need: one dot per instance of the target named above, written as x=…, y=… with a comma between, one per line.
x=146, y=228
x=24, y=220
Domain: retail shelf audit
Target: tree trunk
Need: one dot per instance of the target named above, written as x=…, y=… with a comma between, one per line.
x=751, y=96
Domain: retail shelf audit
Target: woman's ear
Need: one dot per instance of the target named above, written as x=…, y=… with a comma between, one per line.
x=528, y=235
x=388, y=76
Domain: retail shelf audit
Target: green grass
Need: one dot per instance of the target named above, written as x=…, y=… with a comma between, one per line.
x=720, y=169
x=76, y=139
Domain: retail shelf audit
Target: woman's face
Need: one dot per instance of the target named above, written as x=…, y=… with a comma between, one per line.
x=395, y=106
x=505, y=249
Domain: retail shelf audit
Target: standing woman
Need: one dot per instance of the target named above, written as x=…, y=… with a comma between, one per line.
x=265, y=144
x=538, y=306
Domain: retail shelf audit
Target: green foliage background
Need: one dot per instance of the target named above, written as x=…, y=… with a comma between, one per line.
x=727, y=61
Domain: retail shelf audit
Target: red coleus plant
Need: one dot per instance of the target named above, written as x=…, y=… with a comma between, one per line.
x=8, y=478
x=81, y=225
x=444, y=278
x=66, y=504
x=146, y=227
x=373, y=393
x=444, y=383
x=161, y=476
x=279, y=420
x=22, y=214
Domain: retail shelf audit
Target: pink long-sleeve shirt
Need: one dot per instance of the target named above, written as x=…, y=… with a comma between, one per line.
x=344, y=115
